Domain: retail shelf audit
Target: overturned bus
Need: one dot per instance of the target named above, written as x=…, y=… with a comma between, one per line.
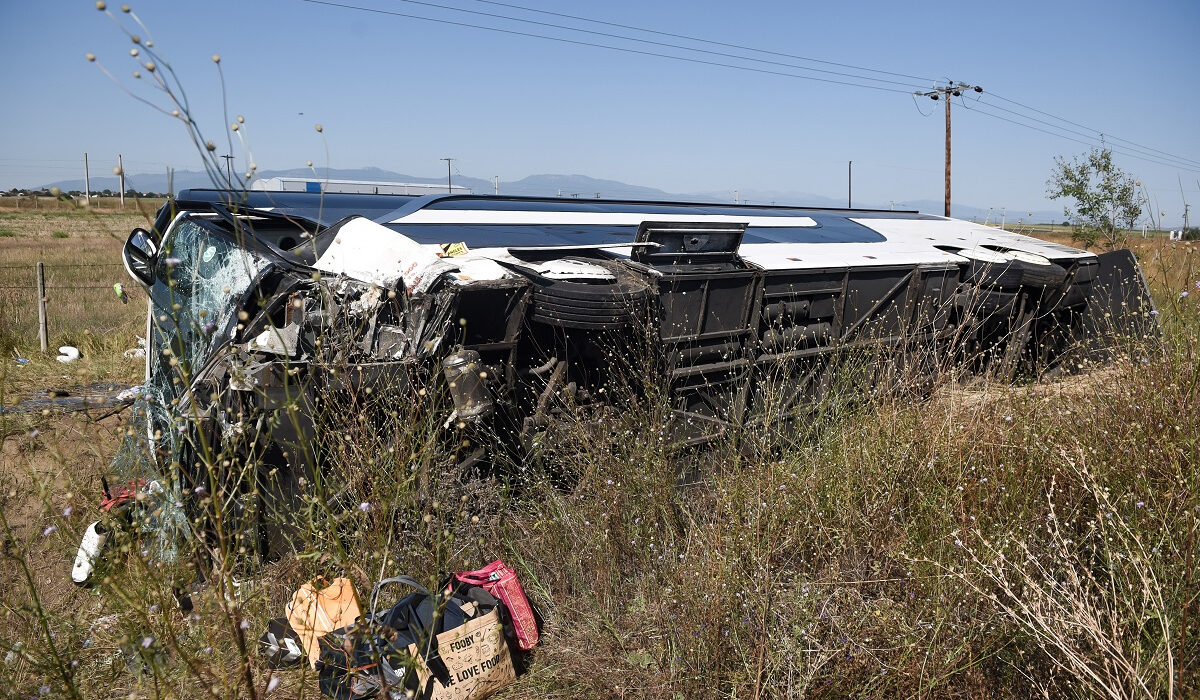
x=511, y=307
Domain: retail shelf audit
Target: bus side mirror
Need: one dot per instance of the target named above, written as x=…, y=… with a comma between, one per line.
x=139, y=255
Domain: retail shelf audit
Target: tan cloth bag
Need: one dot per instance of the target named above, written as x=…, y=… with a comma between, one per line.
x=315, y=612
x=476, y=658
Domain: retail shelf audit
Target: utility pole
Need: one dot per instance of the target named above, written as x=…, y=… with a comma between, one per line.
x=736, y=197
x=1186, y=206
x=950, y=89
x=449, y=184
x=228, y=170
x=496, y=179
x=87, y=183
x=121, y=168
x=850, y=185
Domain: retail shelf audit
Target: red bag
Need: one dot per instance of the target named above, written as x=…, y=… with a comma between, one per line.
x=499, y=580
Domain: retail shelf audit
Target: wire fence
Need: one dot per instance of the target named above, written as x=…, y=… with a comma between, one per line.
x=78, y=299
x=31, y=287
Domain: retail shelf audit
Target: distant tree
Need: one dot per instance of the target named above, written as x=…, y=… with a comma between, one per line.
x=1106, y=202
x=106, y=192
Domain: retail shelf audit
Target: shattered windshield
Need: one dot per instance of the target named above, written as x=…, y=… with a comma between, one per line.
x=202, y=277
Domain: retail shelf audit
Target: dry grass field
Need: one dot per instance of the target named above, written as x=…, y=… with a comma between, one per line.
x=991, y=541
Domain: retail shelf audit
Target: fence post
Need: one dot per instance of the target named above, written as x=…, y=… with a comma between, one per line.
x=43, y=331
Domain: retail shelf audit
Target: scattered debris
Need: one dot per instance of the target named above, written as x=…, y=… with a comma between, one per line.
x=68, y=354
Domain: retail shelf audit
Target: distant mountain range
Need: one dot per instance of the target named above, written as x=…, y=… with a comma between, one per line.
x=580, y=186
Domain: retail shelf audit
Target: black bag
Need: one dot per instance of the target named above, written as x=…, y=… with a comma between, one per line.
x=360, y=660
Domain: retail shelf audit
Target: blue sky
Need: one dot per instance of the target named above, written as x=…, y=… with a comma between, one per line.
x=401, y=93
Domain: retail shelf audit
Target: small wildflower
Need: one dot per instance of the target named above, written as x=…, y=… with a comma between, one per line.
x=1140, y=504
x=67, y=511
x=1153, y=312
x=1183, y=295
x=273, y=683
x=1008, y=419
x=49, y=531
x=364, y=506
x=147, y=641
x=244, y=625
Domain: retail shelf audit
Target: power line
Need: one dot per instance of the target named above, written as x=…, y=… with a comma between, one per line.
x=1189, y=162
x=609, y=47
x=653, y=43
x=1093, y=143
x=1181, y=162
x=1158, y=160
x=1095, y=131
x=709, y=41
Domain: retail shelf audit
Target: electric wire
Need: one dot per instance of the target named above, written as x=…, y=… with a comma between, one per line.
x=708, y=41
x=1148, y=151
x=1163, y=158
x=1087, y=128
x=622, y=37
x=1181, y=162
x=609, y=47
x=978, y=109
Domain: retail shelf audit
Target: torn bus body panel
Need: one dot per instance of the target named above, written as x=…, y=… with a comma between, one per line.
x=510, y=308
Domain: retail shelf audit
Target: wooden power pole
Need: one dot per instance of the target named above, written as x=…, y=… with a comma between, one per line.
x=951, y=89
